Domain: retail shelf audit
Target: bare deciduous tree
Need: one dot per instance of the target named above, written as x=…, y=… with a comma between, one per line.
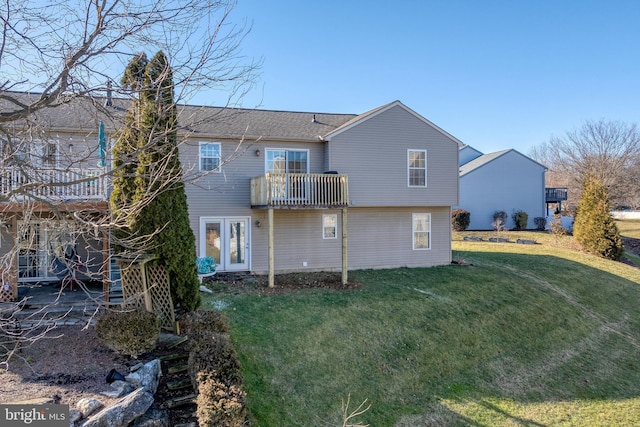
x=61, y=58
x=607, y=150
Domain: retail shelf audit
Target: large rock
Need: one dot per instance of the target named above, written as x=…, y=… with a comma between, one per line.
x=147, y=376
x=88, y=406
x=123, y=412
x=154, y=417
x=119, y=389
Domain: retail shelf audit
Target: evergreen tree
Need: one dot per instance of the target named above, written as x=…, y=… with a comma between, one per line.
x=125, y=157
x=158, y=190
x=594, y=227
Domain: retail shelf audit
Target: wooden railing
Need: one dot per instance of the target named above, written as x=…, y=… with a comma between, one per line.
x=555, y=194
x=54, y=185
x=300, y=190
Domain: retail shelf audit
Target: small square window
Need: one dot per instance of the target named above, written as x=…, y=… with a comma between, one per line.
x=329, y=226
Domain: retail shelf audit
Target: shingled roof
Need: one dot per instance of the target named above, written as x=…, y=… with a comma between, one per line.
x=84, y=114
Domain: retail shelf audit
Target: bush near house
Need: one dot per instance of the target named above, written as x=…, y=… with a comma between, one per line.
x=499, y=220
x=521, y=219
x=460, y=219
x=540, y=222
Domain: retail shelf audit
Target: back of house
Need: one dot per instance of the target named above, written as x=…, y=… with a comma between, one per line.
x=315, y=189
x=268, y=191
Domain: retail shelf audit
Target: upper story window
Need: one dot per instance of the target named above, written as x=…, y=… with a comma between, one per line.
x=417, y=168
x=210, y=156
x=39, y=154
x=287, y=161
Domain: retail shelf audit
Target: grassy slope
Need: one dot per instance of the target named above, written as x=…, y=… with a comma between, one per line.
x=522, y=335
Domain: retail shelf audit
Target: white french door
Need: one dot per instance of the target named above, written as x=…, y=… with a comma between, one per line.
x=39, y=242
x=227, y=240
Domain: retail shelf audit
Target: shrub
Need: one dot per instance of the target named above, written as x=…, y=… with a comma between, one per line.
x=556, y=226
x=129, y=332
x=201, y=322
x=521, y=219
x=499, y=220
x=460, y=219
x=219, y=404
x=540, y=222
x=594, y=227
x=213, y=353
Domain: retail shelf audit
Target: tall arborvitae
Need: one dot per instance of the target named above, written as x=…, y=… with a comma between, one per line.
x=158, y=188
x=594, y=227
x=125, y=158
x=168, y=210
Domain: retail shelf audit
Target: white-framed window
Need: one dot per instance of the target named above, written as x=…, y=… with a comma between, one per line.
x=330, y=226
x=286, y=161
x=421, y=223
x=210, y=156
x=40, y=154
x=417, y=168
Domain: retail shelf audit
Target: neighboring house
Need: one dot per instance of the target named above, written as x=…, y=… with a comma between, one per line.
x=282, y=191
x=502, y=181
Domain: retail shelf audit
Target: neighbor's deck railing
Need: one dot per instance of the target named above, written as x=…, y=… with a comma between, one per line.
x=555, y=194
x=55, y=185
x=300, y=190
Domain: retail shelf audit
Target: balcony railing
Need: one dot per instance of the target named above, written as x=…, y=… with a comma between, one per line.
x=53, y=185
x=555, y=194
x=300, y=190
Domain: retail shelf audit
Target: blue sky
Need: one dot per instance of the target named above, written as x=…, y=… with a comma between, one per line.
x=494, y=74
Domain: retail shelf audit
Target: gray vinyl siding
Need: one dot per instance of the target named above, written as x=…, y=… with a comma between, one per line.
x=377, y=238
x=228, y=193
x=374, y=155
x=298, y=239
x=383, y=238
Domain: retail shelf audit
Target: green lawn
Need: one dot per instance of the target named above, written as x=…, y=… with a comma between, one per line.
x=534, y=335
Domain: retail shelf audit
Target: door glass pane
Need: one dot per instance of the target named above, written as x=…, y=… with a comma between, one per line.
x=213, y=241
x=236, y=242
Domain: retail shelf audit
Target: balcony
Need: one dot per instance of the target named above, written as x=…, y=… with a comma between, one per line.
x=53, y=185
x=300, y=191
x=553, y=195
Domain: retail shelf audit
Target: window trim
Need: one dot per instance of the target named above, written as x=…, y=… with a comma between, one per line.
x=414, y=216
x=335, y=227
x=409, y=168
x=218, y=168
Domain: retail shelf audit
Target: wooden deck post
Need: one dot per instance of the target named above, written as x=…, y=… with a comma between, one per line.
x=345, y=264
x=271, y=248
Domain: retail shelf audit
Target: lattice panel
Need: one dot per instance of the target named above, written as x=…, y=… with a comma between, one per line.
x=8, y=292
x=132, y=285
x=158, y=285
x=8, y=287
